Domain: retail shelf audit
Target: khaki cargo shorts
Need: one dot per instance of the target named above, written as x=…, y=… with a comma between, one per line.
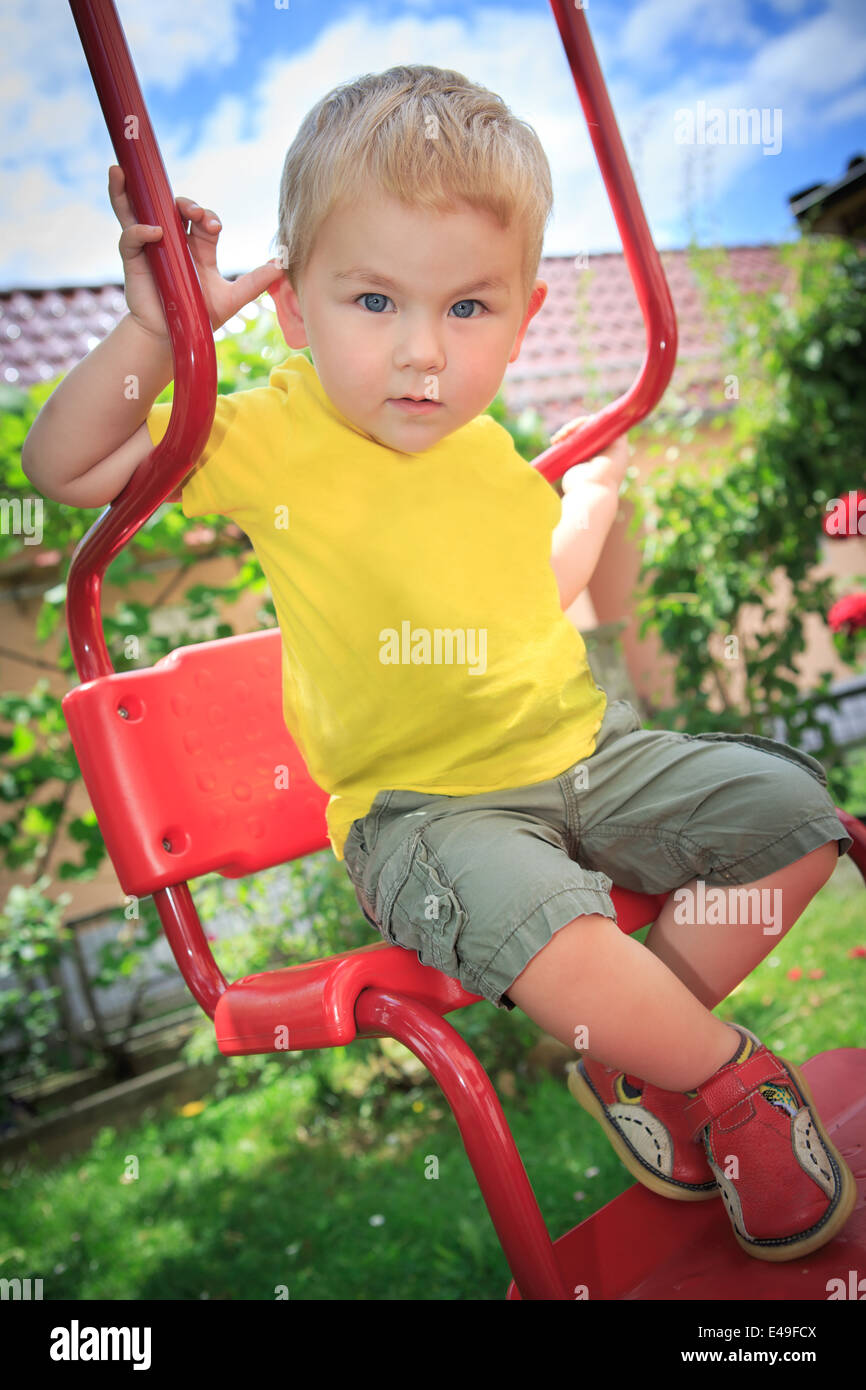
x=477, y=885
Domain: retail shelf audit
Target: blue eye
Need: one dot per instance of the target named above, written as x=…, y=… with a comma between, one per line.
x=380, y=300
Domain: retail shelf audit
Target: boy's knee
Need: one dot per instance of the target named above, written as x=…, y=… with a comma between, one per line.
x=823, y=860
x=579, y=938
x=593, y=921
x=585, y=935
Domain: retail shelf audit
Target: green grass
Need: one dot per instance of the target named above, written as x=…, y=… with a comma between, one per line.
x=320, y=1188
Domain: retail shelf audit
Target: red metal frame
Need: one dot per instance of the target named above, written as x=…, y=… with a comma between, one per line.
x=379, y=990
x=647, y=275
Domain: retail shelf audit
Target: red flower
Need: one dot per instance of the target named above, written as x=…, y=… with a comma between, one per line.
x=847, y=518
x=857, y=951
x=849, y=613
x=795, y=973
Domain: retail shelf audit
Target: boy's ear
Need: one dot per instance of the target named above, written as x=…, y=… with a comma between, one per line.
x=289, y=314
x=536, y=299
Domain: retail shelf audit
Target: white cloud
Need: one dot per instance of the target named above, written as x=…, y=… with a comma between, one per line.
x=172, y=40
x=653, y=27
x=814, y=60
x=41, y=53
x=847, y=108
x=53, y=238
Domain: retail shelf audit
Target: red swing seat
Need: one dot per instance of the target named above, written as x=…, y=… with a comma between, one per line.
x=187, y=763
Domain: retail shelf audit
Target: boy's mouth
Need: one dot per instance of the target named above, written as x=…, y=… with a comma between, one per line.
x=414, y=405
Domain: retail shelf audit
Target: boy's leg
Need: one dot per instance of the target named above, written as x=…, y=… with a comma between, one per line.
x=637, y=1014
x=790, y=1191
x=712, y=959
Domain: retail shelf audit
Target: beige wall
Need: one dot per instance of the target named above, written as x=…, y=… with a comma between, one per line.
x=608, y=599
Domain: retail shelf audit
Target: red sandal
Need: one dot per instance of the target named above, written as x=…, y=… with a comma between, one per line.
x=648, y=1129
x=786, y=1188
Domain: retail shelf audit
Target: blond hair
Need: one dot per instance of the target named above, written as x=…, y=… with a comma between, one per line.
x=427, y=136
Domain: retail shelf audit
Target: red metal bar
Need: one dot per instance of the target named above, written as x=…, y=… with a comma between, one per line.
x=489, y=1143
x=597, y=431
x=857, y=830
x=192, y=344
x=183, y=928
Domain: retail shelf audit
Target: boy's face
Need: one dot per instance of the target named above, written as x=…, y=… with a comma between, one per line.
x=428, y=330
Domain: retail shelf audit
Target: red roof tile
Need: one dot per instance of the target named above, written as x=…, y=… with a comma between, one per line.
x=588, y=342
x=43, y=333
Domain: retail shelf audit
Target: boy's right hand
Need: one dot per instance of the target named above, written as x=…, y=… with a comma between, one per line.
x=223, y=298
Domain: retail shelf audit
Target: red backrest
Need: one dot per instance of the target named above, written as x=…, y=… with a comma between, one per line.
x=190, y=767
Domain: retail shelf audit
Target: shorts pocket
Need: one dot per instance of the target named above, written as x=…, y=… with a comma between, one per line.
x=631, y=715
x=620, y=718
x=771, y=745
x=356, y=857
x=416, y=906
x=355, y=853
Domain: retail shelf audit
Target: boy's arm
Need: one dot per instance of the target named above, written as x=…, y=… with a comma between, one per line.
x=589, y=507
x=90, y=435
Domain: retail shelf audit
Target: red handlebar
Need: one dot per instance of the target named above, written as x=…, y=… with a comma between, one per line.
x=195, y=380
x=594, y=434
x=189, y=326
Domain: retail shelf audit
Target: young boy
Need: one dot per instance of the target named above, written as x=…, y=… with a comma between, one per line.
x=485, y=795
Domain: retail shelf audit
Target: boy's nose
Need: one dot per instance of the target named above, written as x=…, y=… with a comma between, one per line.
x=419, y=347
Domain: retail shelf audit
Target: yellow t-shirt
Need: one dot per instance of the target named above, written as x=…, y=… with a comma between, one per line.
x=424, y=647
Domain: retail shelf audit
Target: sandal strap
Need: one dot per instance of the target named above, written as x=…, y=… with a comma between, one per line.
x=734, y=1083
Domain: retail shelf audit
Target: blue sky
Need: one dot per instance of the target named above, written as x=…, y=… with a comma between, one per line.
x=228, y=81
